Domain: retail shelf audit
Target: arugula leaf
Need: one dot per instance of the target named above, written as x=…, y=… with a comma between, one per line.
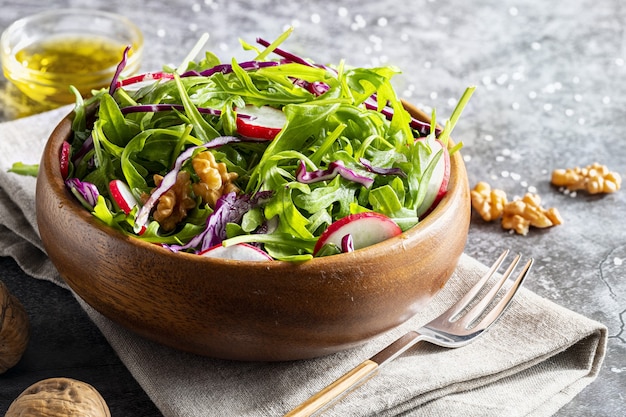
x=201, y=127
x=24, y=169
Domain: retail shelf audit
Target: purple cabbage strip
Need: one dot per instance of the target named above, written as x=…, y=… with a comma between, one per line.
x=347, y=243
x=86, y=192
x=334, y=168
x=118, y=70
x=229, y=208
x=317, y=88
x=382, y=171
x=86, y=147
x=422, y=127
x=228, y=68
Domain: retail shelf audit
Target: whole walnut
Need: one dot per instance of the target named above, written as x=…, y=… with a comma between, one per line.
x=59, y=397
x=14, y=329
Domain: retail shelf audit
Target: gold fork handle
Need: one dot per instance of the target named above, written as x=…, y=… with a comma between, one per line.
x=334, y=390
x=351, y=378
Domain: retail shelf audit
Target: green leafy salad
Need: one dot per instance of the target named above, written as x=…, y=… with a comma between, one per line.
x=272, y=158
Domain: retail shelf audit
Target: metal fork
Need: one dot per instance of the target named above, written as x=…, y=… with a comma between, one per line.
x=462, y=323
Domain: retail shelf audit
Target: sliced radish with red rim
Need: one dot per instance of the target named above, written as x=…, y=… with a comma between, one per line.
x=438, y=184
x=240, y=251
x=123, y=197
x=365, y=229
x=263, y=122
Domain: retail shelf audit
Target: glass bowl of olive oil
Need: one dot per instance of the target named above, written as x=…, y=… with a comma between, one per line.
x=44, y=54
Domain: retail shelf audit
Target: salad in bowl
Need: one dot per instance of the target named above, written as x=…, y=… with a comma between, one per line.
x=277, y=157
x=270, y=209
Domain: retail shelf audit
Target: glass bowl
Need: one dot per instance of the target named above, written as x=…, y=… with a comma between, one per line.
x=44, y=54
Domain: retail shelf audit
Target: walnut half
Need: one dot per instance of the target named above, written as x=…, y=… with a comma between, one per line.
x=59, y=397
x=14, y=329
x=594, y=178
x=175, y=202
x=488, y=202
x=517, y=215
x=520, y=214
x=215, y=180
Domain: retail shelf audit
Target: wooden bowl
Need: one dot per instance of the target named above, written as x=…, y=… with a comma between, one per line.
x=246, y=310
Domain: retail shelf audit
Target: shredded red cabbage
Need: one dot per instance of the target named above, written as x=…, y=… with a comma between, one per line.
x=247, y=65
x=85, y=147
x=347, y=243
x=382, y=171
x=317, y=88
x=118, y=70
x=422, y=127
x=86, y=192
x=229, y=208
x=334, y=168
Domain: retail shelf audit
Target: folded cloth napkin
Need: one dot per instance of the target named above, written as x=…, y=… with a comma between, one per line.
x=532, y=362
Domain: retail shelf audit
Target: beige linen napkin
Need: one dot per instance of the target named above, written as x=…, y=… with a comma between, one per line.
x=535, y=360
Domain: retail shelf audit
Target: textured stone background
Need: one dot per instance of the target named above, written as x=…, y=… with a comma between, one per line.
x=551, y=94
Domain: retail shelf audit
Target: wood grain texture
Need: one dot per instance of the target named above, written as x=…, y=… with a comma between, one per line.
x=249, y=310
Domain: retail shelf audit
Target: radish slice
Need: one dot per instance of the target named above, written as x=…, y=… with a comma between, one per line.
x=122, y=195
x=260, y=122
x=438, y=184
x=365, y=229
x=240, y=252
x=65, y=159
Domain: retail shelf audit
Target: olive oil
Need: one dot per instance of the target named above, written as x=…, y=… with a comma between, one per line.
x=69, y=55
x=48, y=67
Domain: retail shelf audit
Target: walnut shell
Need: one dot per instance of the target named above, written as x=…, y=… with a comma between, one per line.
x=14, y=329
x=59, y=397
